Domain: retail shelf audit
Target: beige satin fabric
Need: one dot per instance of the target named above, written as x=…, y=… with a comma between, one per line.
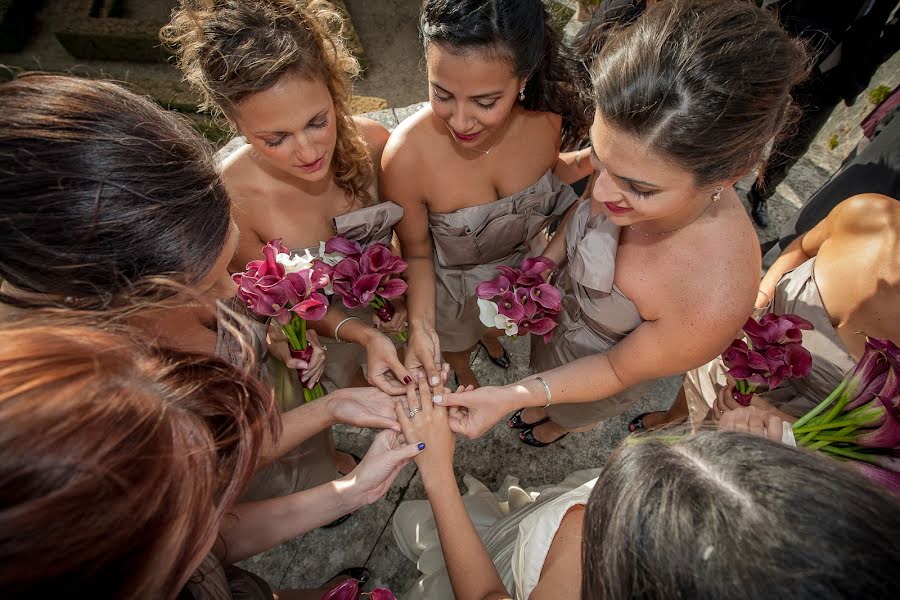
x=214, y=581
x=370, y=225
x=471, y=242
x=312, y=462
x=595, y=318
x=796, y=293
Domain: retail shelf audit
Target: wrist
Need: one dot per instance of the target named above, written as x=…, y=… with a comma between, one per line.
x=347, y=494
x=329, y=404
x=420, y=324
x=438, y=477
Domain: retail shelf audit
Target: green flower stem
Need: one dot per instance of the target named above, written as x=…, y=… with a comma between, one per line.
x=849, y=454
x=805, y=419
x=830, y=425
x=821, y=443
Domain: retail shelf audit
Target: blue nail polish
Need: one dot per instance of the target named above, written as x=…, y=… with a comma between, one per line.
x=421, y=446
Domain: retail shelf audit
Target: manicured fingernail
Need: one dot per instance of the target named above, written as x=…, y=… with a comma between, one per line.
x=407, y=380
x=437, y=399
x=435, y=380
x=421, y=446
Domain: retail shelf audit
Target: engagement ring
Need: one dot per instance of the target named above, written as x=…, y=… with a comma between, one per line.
x=414, y=412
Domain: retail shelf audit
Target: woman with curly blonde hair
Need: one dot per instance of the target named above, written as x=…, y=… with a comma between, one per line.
x=280, y=73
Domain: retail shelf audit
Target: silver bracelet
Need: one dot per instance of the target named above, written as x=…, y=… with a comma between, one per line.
x=338, y=328
x=547, y=391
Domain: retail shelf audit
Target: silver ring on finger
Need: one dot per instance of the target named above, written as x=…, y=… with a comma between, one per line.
x=414, y=412
x=324, y=348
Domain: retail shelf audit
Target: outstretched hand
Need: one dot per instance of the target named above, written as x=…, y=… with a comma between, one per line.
x=473, y=412
x=384, y=460
x=424, y=352
x=427, y=424
x=383, y=366
x=363, y=407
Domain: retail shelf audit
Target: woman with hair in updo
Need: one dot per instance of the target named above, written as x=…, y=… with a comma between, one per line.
x=279, y=71
x=659, y=267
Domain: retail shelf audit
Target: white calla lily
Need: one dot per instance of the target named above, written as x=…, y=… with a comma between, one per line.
x=488, y=312
x=294, y=263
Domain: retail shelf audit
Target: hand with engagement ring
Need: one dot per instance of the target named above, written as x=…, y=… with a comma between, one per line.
x=429, y=427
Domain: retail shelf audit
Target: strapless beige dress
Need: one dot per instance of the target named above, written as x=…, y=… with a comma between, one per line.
x=596, y=315
x=471, y=242
x=241, y=340
x=796, y=293
x=369, y=225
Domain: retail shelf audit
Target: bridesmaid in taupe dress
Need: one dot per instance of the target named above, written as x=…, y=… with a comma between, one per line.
x=660, y=266
x=476, y=170
x=844, y=277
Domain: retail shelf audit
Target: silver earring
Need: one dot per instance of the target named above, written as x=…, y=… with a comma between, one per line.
x=522, y=95
x=718, y=193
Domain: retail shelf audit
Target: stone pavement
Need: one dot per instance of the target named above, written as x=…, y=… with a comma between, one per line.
x=366, y=538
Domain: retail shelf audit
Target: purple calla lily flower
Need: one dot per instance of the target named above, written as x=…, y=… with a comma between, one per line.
x=343, y=246
x=392, y=288
x=537, y=265
x=509, y=306
x=494, y=287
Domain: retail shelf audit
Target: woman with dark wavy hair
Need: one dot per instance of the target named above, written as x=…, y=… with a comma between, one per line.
x=714, y=515
x=474, y=169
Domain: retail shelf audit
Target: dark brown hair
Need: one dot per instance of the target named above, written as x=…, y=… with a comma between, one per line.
x=117, y=462
x=231, y=49
x=521, y=32
x=705, y=83
x=728, y=515
x=100, y=191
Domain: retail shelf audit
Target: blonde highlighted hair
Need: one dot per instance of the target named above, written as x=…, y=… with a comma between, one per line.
x=231, y=49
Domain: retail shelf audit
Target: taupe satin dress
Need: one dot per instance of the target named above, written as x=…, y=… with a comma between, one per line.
x=596, y=315
x=241, y=340
x=369, y=225
x=471, y=242
x=796, y=293
x=215, y=581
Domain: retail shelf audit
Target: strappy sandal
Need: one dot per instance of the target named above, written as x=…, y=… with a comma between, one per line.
x=503, y=361
x=527, y=437
x=516, y=422
x=637, y=423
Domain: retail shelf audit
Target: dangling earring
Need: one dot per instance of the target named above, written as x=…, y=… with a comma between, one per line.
x=522, y=95
x=718, y=193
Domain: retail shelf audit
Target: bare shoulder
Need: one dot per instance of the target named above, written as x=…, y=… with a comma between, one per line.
x=543, y=127
x=865, y=214
x=241, y=174
x=374, y=134
x=403, y=149
x=711, y=277
x=561, y=572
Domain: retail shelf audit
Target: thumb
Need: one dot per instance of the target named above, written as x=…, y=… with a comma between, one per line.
x=408, y=452
x=462, y=399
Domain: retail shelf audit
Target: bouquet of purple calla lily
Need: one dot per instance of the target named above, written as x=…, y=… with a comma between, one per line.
x=519, y=301
x=349, y=590
x=288, y=289
x=772, y=352
x=367, y=277
x=860, y=420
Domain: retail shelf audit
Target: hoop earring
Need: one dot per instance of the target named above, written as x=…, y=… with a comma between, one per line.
x=718, y=193
x=522, y=95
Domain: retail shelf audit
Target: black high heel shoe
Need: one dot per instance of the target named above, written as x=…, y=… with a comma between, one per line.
x=502, y=361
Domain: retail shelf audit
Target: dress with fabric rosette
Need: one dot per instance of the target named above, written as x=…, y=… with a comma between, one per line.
x=796, y=293
x=471, y=242
x=596, y=315
x=516, y=525
x=369, y=225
